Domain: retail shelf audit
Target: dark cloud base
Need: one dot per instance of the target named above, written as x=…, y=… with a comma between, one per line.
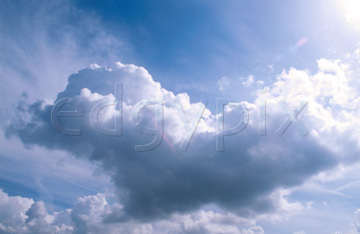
x=161, y=182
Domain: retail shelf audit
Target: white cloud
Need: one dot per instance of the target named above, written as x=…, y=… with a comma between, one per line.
x=117, y=153
x=145, y=181
x=223, y=83
x=23, y=215
x=249, y=81
x=13, y=212
x=237, y=180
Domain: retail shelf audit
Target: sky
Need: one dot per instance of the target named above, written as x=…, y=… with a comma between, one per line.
x=211, y=117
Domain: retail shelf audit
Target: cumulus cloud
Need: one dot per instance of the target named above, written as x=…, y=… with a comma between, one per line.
x=164, y=181
x=23, y=215
x=89, y=216
x=13, y=212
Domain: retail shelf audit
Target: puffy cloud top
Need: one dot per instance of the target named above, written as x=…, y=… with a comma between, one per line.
x=166, y=180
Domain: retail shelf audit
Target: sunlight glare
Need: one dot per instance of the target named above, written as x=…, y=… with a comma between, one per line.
x=352, y=12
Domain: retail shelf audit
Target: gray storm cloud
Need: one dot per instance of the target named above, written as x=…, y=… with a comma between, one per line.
x=163, y=181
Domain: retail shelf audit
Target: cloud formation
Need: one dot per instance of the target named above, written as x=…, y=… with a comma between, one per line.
x=23, y=215
x=166, y=180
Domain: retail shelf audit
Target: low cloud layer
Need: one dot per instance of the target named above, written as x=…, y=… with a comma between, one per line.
x=23, y=215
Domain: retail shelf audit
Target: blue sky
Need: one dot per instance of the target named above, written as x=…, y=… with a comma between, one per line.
x=283, y=52
x=236, y=39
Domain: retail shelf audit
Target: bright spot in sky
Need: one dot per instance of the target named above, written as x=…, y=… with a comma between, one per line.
x=352, y=12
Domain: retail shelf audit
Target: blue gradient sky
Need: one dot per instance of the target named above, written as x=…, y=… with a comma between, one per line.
x=206, y=50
